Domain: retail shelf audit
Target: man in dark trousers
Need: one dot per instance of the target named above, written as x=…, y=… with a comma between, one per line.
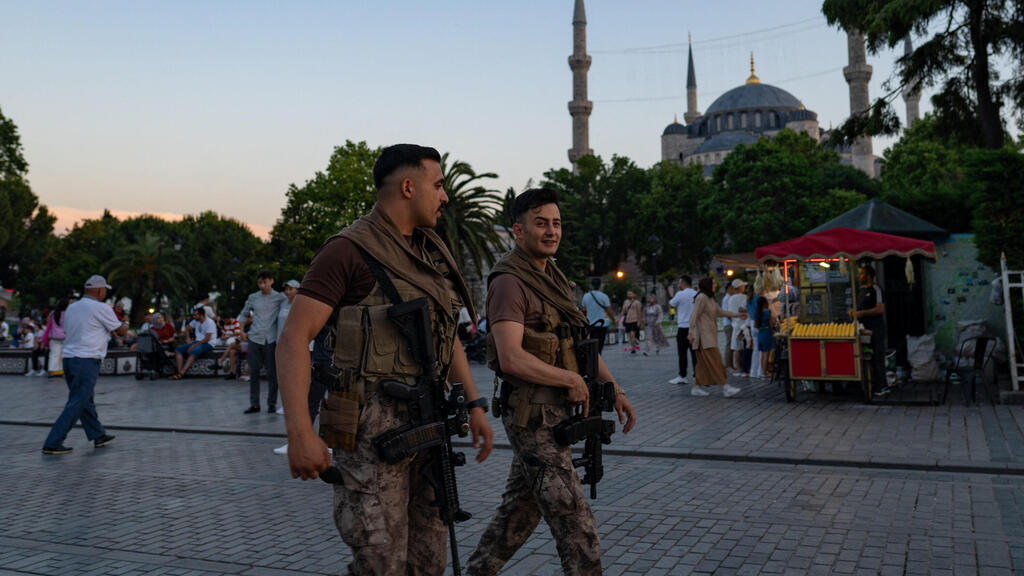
x=871, y=313
x=383, y=511
x=88, y=324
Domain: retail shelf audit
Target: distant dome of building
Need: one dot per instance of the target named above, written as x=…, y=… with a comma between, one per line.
x=802, y=114
x=726, y=141
x=753, y=96
x=674, y=128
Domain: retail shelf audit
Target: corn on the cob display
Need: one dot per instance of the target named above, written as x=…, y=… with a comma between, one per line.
x=830, y=330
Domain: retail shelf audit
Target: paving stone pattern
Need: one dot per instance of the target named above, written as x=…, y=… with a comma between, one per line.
x=219, y=502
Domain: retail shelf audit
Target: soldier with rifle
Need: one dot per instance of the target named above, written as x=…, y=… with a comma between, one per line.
x=553, y=389
x=398, y=384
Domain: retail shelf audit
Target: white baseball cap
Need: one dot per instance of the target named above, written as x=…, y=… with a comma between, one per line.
x=97, y=281
x=737, y=283
x=292, y=283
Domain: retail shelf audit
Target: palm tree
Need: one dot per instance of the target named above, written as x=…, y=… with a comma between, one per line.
x=141, y=269
x=468, y=219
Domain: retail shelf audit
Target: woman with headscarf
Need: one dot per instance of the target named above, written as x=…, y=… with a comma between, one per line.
x=653, y=313
x=704, y=339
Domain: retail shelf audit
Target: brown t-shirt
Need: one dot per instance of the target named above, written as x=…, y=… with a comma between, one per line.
x=509, y=298
x=338, y=275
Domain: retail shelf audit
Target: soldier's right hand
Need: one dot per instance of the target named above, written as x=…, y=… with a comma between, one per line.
x=308, y=456
x=578, y=392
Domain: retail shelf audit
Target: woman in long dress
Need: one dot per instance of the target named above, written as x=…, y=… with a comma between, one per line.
x=656, y=340
x=704, y=339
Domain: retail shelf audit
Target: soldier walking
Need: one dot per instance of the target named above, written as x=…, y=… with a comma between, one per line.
x=383, y=512
x=528, y=297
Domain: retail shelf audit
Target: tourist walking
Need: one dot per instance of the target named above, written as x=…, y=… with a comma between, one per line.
x=704, y=338
x=54, y=337
x=632, y=314
x=265, y=304
x=656, y=341
x=88, y=324
x=682, y=301
x=598, y=308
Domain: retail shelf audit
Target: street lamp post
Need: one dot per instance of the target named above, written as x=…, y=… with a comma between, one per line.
x=654, y=240
x=159, y=257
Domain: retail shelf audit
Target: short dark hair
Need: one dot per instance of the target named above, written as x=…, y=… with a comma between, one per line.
x=265, y=275
x=532, y=198
x=199, y=310
x=869, y=269
x=400, y=155
x=687, y=279
x=595, y=283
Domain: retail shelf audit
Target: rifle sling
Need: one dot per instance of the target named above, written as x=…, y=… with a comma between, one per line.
x=379, y=274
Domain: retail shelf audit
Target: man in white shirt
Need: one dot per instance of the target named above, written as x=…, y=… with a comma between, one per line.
x=88, y=324
x=598, y=308
x=205, y=330
x=737, y=303
x=683, y=303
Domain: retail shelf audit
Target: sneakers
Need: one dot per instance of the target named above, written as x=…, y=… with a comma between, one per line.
x=730, y=391
x=882, y=393
x=281, y=450
x=677, y=380
x=244, y=377
x=102, y=441
x=230, y=376
x=270, y=410
x=56, y=451
x=280, y=410
x=696, y=390
x=252, y=410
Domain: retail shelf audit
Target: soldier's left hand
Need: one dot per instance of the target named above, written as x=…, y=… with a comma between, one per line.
x=625, y=411
x=481, y=431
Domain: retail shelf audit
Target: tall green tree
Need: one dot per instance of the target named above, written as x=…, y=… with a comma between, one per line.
x=777, y=188
x=996, y=178
x=959, y=48
x=223, y=255
x=326, y=203
x=924, y=175
x=597, y=206
x=25, y=225
x=468, y=219
x=142, y=269
x=667, y=228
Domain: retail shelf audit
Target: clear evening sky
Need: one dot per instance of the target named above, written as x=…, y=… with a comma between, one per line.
x=179, y=107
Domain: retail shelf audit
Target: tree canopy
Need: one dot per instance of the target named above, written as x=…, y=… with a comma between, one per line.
x=25, y=225
x=468, y=219
x=959, y=46
x=778, y=188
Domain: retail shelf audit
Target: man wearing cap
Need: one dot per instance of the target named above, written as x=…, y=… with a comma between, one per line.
x=737, y=303
x=265, y=304
x=88, y=324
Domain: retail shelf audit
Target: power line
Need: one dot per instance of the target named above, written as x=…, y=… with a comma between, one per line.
x=712, y=94
x=642, y=49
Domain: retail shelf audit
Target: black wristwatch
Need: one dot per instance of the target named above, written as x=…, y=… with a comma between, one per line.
x=480, y=402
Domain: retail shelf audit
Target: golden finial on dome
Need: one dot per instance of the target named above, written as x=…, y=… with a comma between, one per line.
x=675, y=118
x=753, y=77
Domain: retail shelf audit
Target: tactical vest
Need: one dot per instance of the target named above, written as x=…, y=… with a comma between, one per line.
x=525, y=398
x=368, y=348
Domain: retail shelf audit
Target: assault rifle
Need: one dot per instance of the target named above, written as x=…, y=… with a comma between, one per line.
x=433, y=419
x=589, y=427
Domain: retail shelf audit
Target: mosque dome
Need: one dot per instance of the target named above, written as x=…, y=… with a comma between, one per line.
x=674, y=128
x=753, y=95
x=726, y=141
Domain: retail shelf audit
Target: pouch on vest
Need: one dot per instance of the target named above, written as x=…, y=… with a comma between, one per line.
x=339, y=420
x=349, y=354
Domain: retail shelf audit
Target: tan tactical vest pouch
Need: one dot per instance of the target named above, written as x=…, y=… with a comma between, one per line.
x=369, y=349
x=526, y=398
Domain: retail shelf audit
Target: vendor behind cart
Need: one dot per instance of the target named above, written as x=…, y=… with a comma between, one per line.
x=871, y=313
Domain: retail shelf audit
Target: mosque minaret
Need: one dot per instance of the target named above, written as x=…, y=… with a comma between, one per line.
x=579, y=107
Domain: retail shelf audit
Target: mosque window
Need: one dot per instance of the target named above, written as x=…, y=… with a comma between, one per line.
x=743, y=120
x=718, y=123
x=730, y=121
x=771, y=120
x=757, y=119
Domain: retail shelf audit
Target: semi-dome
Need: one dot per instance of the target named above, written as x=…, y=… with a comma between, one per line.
x=802, y=114
x=674, y=128
x=726, y=141
x=753, y=95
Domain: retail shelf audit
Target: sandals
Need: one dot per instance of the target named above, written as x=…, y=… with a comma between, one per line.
x=177, y=376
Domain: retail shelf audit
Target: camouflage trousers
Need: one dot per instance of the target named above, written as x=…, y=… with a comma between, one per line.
x=383, y=511
x=542, y=482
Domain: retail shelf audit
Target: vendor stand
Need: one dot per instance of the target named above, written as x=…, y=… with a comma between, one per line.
x=817, y=340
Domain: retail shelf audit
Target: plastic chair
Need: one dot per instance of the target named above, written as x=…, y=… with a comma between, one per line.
x=982, y=354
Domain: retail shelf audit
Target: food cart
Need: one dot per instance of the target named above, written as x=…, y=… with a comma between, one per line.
x=817, y=340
